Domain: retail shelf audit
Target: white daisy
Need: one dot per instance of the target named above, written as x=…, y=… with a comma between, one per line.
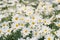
x=56, y=1
x=15, y=26
x=5, y=24
x=1, y=32
x=46, y=21
x=1, y=16
x=36, y=34
x=25, y=31
x=57, y=24
x=21, y=39
x=15, y=18
x=45, y=30
x=33, y=38
x=58, y=16
x=49, y=37
x=58, y=33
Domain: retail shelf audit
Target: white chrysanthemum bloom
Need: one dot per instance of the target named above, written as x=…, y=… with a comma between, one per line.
x=11, y=10
x=38, y=27
x=49, y=37
x=49, y=6
x=37, y=18
x=57, y=38
x=31, y=27
x=25, y=1
x=45, y=8
x=33, y=38
x=40, y=4
x=6, y=30
x=33, y=23
x=57, y=24
x=4, y=24
x=1, y=32
x=18, y=5
x=58, y=16
x=58, y=7
x=33, y=3
x=22, y=24
x=56, y=1
x=36, y=34
x=22, y=18
x=19, y=8
x=33, y=17
x=25, y=31
x=10, y=3
x=6, y=14
x=4, y=11
x=45, y=30
x=53, y=17
x=2, y=4
x=26, y=8
x=4, y=1
x=46, y=21
x=29, y=12
x=40, y=20
x=15, y=26
x=58, y=33
x=23, y=8
x=19, y=11
x=27, y=19
x=21, y=39
x=15, y=18
x=1, y=16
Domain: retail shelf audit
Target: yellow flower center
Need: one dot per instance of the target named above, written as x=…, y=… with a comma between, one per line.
x=59, y=25
x=58, y=1
x=36, y=33
x=33, y=18
x=0, y=31
x=30, y=13
x=45, y=30
x=26, y=31
x=22, y=24
x=4, y=24
x=33, y=23
x=24, y=8
x=44, y=21
x=16, y=18
x=17, y=25
x=21, y=18
x=49, y=39
x=8, y=30
x=27, y=20
x=31, y=27
x=39, y=20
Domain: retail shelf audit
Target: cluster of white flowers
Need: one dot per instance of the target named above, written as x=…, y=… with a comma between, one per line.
x=38, y=20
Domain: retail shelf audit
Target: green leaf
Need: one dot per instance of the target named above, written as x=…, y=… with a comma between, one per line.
x=53, y=26
x=20, y=1
x=54, y=5
x=41, y=38
x=14, y=35
x=4, y=8
x=57, y=12
x=1, y=38
x=9, y=18
x=30, y=35
x=27, y=24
